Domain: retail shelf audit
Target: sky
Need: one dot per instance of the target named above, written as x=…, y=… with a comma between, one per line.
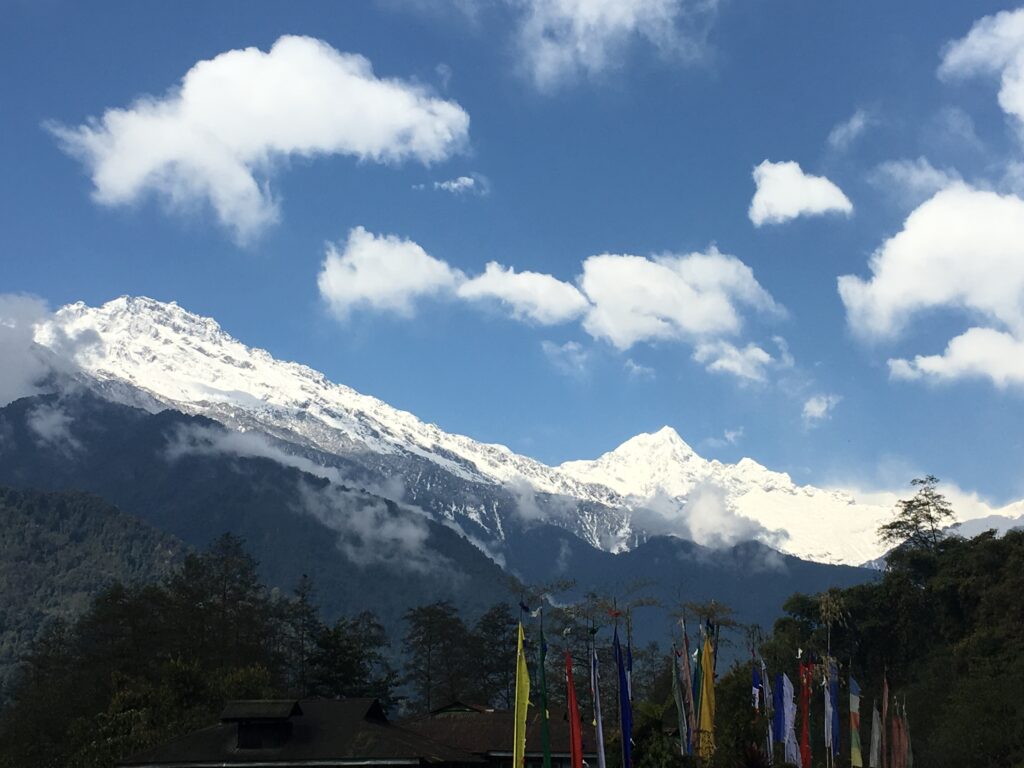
x=792, y=231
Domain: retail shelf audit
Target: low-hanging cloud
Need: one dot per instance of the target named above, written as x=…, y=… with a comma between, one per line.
x=27, y=367
x=704, y=517
x=24, y=364
x=50, y=425
x=219, y=137
x=370, y=531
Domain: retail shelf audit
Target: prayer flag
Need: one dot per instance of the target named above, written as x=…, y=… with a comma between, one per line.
x=691, y=711
x=595, y=693
x=806, y=680
x=545, y=728
x=706, y=726
x=625, y=707
x=575, y=731
x=522, y=702
x=875, y=750
x=885, y=716
x=856, y=759
x=677, y=695
x=792, y=748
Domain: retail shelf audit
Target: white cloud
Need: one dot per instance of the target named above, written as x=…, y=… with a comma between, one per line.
x=784, y=192
x=729, y=437
x=962, y=250
x=220, y=135
x=475, y=184
x=570, y=358
x=52, y=428
x=818, y=408
x=845, y=133
x=560, y=40
x=749, y=362
x=704, y=516
x=976, y=353
x=22, y=364
x=532, y=296
x=381, y=272
x=638, y=371
x=912, y=180
x=697, y=298
x=994, y=45
x=670, y=297
x=370, y=531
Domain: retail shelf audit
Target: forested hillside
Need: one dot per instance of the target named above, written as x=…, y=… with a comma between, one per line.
x=945, y=624
x=57, y=552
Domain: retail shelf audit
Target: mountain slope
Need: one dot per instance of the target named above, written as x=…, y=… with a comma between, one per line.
x=152, y=354
x=57, y=550
x=192, y=477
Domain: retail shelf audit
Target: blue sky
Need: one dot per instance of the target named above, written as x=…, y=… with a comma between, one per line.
x=633, y=132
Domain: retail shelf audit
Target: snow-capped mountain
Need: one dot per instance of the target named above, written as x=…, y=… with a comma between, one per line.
x=157, y=354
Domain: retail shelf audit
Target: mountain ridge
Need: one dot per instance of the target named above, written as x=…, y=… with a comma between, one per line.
x=155, y=354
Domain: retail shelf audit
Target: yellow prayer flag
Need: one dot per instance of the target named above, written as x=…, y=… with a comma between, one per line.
x=706, y=727
x=522, y=702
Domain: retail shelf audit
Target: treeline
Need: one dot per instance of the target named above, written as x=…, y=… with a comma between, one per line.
x=944, y=624
x=146, y=663
x=57, y=550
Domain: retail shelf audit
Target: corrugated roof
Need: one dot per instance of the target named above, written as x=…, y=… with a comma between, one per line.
x=342, y=731
x=489, y=731
x=259, y=709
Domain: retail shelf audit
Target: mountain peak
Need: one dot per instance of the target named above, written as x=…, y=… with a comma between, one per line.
x=665, y=441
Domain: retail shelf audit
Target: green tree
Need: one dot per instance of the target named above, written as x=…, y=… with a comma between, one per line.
x=919, y=520
x=437, y=658
x=349, y=660
x=495, y=638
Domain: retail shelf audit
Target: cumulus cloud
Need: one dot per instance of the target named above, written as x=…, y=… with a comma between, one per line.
x=560, y=40
x=993, y=46
x=570, y=358
x=912, y=181
x=531, y=296
x=219, y=136
x=785, y=192
x=818, y=408
x=845, y=133
x=749, y=362
x=51, y=427
x=977, y=353
x=382, y=272
x=697, y=298
x=669, y=297
x=961, y=250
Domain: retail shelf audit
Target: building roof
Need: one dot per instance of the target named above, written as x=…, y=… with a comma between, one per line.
x=485, y=731
x=322, y=732
x=259, y=709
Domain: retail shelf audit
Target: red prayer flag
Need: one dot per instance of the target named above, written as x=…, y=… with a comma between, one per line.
x=575, y=731
x=806, y=680
x=885, y=713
